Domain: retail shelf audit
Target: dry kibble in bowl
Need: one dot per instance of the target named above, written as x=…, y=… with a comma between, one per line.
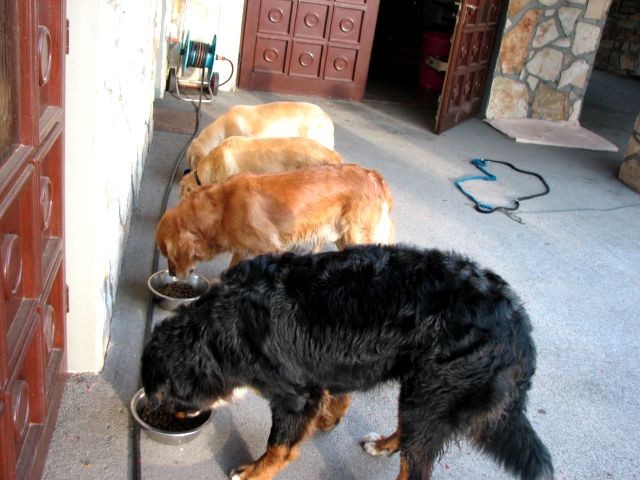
x=178, y=290
x=170, y=422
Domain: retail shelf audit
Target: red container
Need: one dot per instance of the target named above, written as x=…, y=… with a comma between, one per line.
x=436, y=44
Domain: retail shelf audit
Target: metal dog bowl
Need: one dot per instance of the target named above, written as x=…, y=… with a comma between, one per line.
x=158, y=279
x=139, y=401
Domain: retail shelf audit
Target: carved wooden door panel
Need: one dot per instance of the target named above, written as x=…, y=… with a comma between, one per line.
x=310, y=47
x=32, y=276
x=471, y=48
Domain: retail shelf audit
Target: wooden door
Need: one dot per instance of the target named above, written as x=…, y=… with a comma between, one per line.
x=466, y=76
x=310, y=47
x=32, y=277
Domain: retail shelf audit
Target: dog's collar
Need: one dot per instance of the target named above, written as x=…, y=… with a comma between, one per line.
x=195, y=176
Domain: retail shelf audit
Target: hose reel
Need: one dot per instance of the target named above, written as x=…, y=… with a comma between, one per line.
x=198, y=55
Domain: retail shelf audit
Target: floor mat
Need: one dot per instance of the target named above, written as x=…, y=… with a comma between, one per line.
x=557, y=133
x=175, y=121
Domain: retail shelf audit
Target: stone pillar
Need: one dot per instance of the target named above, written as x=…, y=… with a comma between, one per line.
x=630, y=169
x=546, y=57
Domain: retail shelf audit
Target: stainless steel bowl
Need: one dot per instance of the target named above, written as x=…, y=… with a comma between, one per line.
x=158, y=279
x=138, y=402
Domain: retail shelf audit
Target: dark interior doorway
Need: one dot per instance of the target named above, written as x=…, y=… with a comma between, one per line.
x=399, y=44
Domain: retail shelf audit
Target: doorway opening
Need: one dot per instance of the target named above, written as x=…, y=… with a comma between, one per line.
x=613, y=85
x=408, y=32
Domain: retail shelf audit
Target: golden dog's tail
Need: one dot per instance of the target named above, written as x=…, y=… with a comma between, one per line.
x=322, y=129
x=385, y=231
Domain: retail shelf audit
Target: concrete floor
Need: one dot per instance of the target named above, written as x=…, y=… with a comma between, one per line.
x=575, y=260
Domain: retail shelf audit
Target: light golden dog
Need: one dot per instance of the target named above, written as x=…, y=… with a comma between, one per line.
x=252, y=214
x=277, y=119
x=256, y=155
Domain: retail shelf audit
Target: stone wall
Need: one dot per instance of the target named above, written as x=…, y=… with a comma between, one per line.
x=546, y=55
x=630, y=169
x=620, y=45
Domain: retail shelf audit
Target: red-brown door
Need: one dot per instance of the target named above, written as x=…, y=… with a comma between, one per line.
x=32, y=277
x=311, y=47
x=471, y=47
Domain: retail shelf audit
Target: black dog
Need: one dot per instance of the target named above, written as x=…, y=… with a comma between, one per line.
x=306, y=330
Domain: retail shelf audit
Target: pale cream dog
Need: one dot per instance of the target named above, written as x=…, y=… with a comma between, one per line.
x=277, y=119
x=256, y=155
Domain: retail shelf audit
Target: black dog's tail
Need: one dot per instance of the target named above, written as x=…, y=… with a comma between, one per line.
x=514, y=444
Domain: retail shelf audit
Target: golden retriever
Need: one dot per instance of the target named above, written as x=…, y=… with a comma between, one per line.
x=252, y=214
x=276, y=119
x=256, y=155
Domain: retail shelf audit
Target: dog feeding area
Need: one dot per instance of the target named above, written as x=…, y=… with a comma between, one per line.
x=483, y=327
x=166, y=426
x=171, y=292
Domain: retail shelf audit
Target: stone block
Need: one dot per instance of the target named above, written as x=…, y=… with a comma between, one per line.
x=575, y=75
x=629, y=172
x=546, y=64
x=509, y=99
x=568, y=17
x=546, y=33
x=516, y=6
x=597, y=9
x=576, y=109
x=515, y=44
x=549, y=104
x=586, y=39
x=563, y=42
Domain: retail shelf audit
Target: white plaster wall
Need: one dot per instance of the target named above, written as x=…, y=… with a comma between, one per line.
x=111, y=70
x=163, y=29
x=229, y=36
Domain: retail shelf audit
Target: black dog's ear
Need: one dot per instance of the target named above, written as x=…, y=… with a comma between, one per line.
x=205, y=367
x=154, y=374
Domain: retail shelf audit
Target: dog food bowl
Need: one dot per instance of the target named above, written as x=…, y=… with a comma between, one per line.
x=139, y=401
x=197, y=282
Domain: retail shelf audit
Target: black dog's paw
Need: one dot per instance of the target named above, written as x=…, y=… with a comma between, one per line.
x=369, y=444
x=236, y=473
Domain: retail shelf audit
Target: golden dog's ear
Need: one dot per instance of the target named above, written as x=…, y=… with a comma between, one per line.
x=163, y=232
x=187, y=185
x=181, y=253
x=195, y=152
x=177, y=243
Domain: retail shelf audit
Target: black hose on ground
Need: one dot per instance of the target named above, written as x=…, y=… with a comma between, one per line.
x=135, y=431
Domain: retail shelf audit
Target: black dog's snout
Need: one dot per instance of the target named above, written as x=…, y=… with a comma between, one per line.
x=154, y=401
